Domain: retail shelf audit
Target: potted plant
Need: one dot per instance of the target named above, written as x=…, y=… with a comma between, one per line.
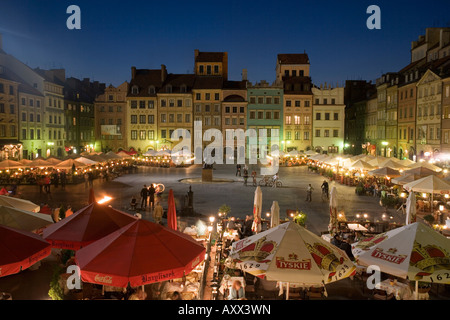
x=224, y=209
x=56, y=292
x=300, y=218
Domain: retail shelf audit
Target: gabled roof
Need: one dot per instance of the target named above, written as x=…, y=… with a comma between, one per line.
x=143, y=79
x=208, y=82
x=23, y=86
x=210, y=57
x=236, y=85
x=177, y=81
x=293, y=58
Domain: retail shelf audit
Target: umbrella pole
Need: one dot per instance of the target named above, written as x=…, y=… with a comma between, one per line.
x=417, y=291
x=287, y=290
x=431, y=202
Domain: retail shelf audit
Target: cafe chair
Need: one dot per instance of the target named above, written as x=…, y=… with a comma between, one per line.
x=315, y=293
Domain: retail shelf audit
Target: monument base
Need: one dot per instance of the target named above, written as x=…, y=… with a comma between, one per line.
x=207, y=175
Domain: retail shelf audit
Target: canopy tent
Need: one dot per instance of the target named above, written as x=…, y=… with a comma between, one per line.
x=10, y=164
x=23, y=220
x=257, y=207
x=293, y=153
x=278, y=153
x=124, y=155
x=69, y=164
x=385, y=172
x=87, y=161
x=112, y=156
x=164, y=153
x=430, y=184
x=425, y=165
x=25, y=162
x=377, y=161
x=406, y=162
x=415, y=252
x=139, y=253
x=404, y=179
x=86, y=226
x=394, y=164
x=19, y=204
x=97, y=158
x=361, y=165
x=150, y=153
x=291, y=253
x=421, y=172
x=19, y=250
x=53, y=160
x=40, y=163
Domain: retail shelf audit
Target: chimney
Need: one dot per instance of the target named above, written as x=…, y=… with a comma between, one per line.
x=133, y=72
x=196, y=52
x=244, y=75
x=163, y=73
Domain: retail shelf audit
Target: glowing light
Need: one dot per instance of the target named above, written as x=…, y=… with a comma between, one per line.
x=402, y=194
x=424, y=195
x=104, y=200
x=441, y=208
x=366, y=215
x=446, y=195
x=212, y=219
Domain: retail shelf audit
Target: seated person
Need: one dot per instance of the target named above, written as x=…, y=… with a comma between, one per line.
x=232, y=224
x=133, y=203
x=336, y=241
x=347, y=247
x=236, y=291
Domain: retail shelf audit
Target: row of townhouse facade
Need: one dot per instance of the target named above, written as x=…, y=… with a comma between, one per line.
x=142, y=114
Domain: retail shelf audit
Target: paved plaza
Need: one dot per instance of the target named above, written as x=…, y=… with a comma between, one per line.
x=208, y=197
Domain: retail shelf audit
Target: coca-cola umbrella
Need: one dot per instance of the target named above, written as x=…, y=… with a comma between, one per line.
x=171, y=212
x=138, y=254
x=19, y=250
x=415, y=252
x=86, y=226
x=290, y=253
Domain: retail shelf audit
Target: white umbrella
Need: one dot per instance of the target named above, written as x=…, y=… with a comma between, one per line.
x=332, y=227
x=150, y=153
x=274, y=214
x=430, y=184
x=293, y=153
x=426, y=165
x=86, y=161
x=23, y=220
x=310, y=152
x=257, y=204
x=19, y=204
x=411, y=208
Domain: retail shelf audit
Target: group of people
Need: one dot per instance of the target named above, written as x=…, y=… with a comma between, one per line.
x=147, y=195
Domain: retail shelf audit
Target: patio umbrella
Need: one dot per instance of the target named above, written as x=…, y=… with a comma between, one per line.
x=406, y=178
x=421, y=172
x=19, y=204
x=171, y=212
x=3, y=191
x=274, y=214
x=406, y=162
x=333, y=225
x=53, y=161
x=430, y=184
x=19, y=250
x=257, y=207
x=377, y=161
x=124, y=155
x=411, y=208
x=425, y=165
x=10, y=164
x=86, y=161
x=40, y=163
x=150, y=153
x=385, y=172
x=394, y=164
x=415, y=252
x=139, y=253
x=25, y=162
x=23, y=220
x=112, y=156
x=361, y=165
x=69, y=164
x=86, y=226
x=291, y=253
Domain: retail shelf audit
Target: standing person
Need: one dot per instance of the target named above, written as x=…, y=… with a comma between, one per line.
x=158, y=213
x=47, y=184
x=144, y=196
x=238, y=170
x=254, y=178
x=245, y=176
x=91, y=179
x=246, y=230
x=151, y=194
x=63, y=180
x=86, y=180
x=325, y=187
x=309, y=191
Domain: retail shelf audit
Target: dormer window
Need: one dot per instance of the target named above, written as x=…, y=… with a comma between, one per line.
x=169, y=89
x=151, y=90
x=183, y=88
x=135, y=90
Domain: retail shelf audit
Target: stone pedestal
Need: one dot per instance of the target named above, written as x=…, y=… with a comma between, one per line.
x=207, y=175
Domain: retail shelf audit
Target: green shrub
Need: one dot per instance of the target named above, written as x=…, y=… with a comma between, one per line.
x=56, y=292
x=300, y=218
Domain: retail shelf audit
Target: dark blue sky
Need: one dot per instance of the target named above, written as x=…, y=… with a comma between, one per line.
x=116, y=35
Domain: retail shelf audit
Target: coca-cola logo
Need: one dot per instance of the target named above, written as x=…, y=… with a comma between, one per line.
x=379, y=254
x=103, y=279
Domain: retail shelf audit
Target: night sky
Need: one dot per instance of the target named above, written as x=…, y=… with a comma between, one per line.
x=116, y=35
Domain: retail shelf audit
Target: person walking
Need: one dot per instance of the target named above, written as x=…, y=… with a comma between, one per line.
x=309, y=191
x=63, y=180
x=158, y=213
x=151, y=194
x=254, y=178
x=144, y=196
x=238, y=170
x=245, y=176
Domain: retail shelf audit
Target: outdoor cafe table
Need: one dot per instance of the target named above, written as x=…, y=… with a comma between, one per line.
x=401, y=291
x=227, y=283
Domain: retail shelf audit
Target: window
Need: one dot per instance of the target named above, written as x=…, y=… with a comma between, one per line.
x=217, y=121
x=163, y=118
x=335, y=133
x=241, y=109
x=31, y=117
x=179, y=103
x=235, y=109
x=326, y=133
x=207, y=121
x=207, y=96
x=163, y=134
x=133, y=119
x=288, y=135
x=327, y=116
x=260, y=100
x=333, y=101
x=38, y=133
x=141, y=105
x=133, y=105
x=216, y=96
x=151, y=119
x=151, y=134
x=187, y=118
x=317, y=101
x=227, y=109
x=198, y=96
x=11, y=90
x=110, y=97
x=217, y=108
x=297, y=135
x=260, y=115
x=179, y=117
x=268, y=115
x=325, y=101
x=2, y=130
x=38, y=103
x=24, y=115
x=297, y=120
x=297, y=103
x=288, y=119
x=171, y=103
x=119, y=122
x=317, y=133
x=252, y=100
x=134, y=90
x=32, y=134
x=336, y=116
x=198, y=108
x=276, y=115
x=207, y=108
x=318, y=116
x=142, y=134
x=286, y=73
x=306, y=104
x=234, y=121
x=216, y=69
x=268, y=100
x=201, y=69
x=38, y=118
x=133, y=134
x=2, y=88
x=171, y=118
x=13, y=131
x=288, y=103
x=142, y=119
x=12, y=109
x=163, y=102
x=24, y=134
x=31, y=103
x=276, y=100
x=252, y=115
x=208, y=69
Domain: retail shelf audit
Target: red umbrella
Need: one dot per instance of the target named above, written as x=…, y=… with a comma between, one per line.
x=91, y=196
x=86, y=226
x=171, y=212
x=20, y=250
x=3, y=191
x=140, y=253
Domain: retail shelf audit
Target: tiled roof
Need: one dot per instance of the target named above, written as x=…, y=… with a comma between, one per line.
x=237, y=85
x=210, y=57
x=293, y=58
x=208, y=82
x=23, y=86
x=177, y=81
x=143, y=79
x=300, y=85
